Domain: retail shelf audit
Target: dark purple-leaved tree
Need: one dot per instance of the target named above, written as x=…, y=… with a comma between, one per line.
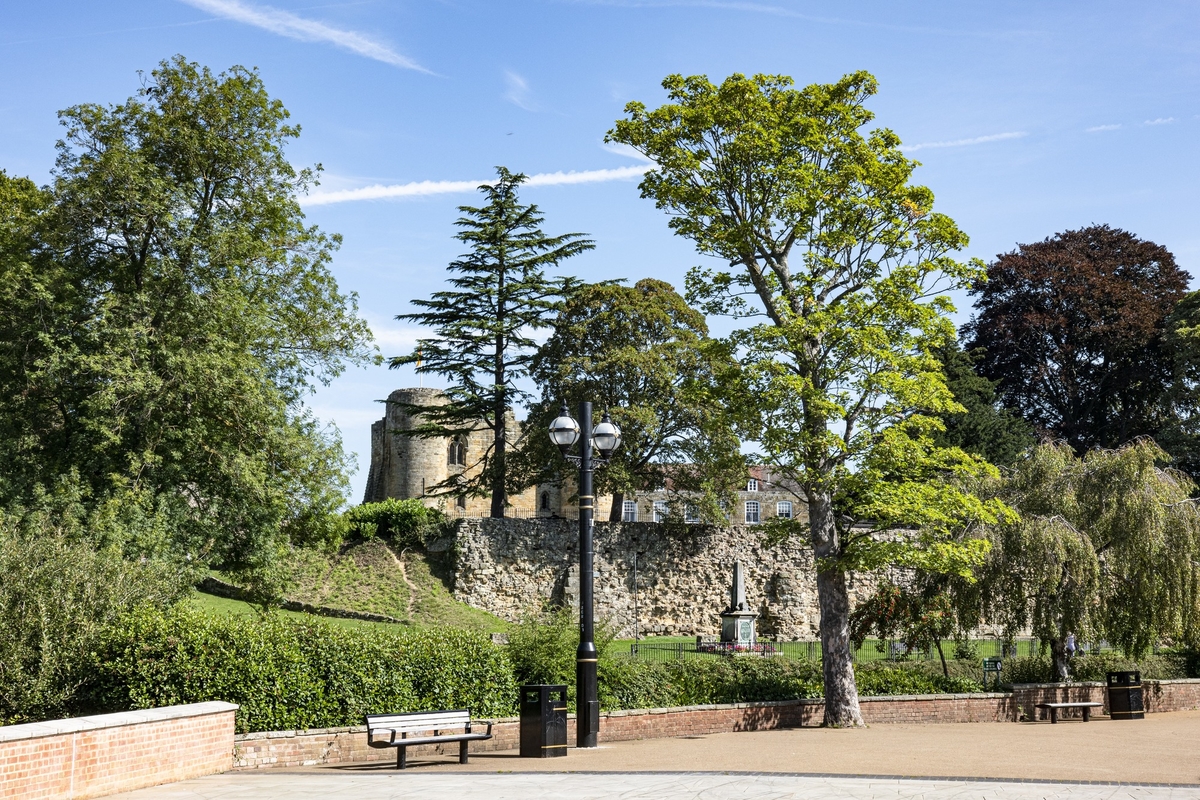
x=1071, y=329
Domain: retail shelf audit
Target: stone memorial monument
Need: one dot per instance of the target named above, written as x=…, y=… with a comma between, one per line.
x=737, y=621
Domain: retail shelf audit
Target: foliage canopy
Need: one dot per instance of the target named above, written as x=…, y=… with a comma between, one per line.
x=167, y=310
x=839, y=263
x=643, y=354
x=1106, y=547
x=484, y=326
x=1071, y=331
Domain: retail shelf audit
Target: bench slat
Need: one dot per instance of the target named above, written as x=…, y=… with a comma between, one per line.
x=456, y=712
x=456, y=737
x=448, y=719
x=417, y=721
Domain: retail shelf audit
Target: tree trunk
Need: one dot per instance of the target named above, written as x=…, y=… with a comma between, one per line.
x=837, y=664
x=942, y=656
x=1062, y=664
x=499, y=468
x=617, y=511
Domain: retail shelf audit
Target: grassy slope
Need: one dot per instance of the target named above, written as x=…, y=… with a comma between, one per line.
x=368, y=576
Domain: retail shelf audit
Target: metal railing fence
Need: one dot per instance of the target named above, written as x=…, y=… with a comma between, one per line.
x=871, y=650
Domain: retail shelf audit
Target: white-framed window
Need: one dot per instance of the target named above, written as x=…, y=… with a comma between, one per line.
x=661, y=510
x=753, y=515
x=783, y=509
x=752, y=485
x=691, y=513
x=629, y=511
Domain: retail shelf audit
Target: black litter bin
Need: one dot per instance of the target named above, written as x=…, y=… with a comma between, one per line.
x=543, y=721
x=1125, y=698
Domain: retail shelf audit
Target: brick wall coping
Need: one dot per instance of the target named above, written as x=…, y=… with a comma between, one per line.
x=1071, y=684
x=56, y=727
x=639, y=712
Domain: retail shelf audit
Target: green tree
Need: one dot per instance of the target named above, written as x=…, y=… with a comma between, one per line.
x=1070, y=330
x=483, y=329
x=921, y=616
x=841, y=260
x=1106, y=547
x=167, y=311
x=66, y=585
x=1179, y=429
x=986, y=429
x=643, y=354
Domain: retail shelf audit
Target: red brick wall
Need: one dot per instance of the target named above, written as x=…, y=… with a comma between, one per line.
x=95, y=756
x=342, y=745
x=1159, y=696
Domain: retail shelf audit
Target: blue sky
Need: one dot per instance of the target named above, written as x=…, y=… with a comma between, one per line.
x=1030, y=118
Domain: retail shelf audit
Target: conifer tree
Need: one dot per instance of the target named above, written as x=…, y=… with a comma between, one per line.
x=482, y=328
x=986, y=428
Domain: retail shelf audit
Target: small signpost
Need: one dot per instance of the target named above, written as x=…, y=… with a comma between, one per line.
x=992, y=666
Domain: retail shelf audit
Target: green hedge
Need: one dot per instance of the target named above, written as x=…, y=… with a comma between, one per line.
x=629, y=684
x=405, y=523
x=287, y=674
x=1040, y=669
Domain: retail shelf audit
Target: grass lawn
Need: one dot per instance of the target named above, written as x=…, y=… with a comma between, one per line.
x=369, y=576
x=223, y=605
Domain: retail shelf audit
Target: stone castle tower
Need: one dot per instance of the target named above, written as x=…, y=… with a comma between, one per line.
x=404, y=466
x=409, y=467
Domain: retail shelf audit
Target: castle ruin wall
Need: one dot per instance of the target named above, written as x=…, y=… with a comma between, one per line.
x=513, y=566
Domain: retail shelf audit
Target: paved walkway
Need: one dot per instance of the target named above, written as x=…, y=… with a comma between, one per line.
x=265, y=785
x=1153, y=759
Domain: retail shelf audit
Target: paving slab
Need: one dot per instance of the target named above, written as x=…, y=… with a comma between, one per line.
x=1163, y=748
x=267, y=785
x=1157, y=758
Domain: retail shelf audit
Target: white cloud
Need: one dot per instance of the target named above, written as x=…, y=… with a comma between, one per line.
x=288, y=24
x=1098, y=128
x=393, y=339
x=993, y=137
x=424, y=188
x=1159, y=121
x=518, y=92
x=621, y=149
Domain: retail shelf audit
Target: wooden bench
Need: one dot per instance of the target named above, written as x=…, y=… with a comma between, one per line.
x=1054, y=707
x=421, y=722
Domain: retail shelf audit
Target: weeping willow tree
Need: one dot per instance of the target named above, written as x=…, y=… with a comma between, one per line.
x=1107, y=547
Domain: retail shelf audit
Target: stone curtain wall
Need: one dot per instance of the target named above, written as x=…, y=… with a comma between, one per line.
x=511, y=566
x=110, y=753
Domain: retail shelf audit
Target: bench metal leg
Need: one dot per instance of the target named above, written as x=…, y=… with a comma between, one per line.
x=462, y=752
x=1087, y=713
x=1053, y=716
x=401, y=757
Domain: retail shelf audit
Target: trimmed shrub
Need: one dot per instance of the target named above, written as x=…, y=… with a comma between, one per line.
x=632, y=684
x=58, y=600
x=1040, y=668
x=405, y=523
x=882, y=679
x=287, y=674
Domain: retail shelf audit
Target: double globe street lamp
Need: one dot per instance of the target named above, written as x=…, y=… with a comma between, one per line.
x=605, y=438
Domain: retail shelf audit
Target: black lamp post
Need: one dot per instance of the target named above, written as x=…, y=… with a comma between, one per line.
x=564, y=432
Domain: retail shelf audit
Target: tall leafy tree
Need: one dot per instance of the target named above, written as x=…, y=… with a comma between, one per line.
x=986, y=428
x=168, y=312
x=483, y=328
x=1106, y=547
x=836, y=261
x=642, y=353
x=1071, y=331
x=1179, y=431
